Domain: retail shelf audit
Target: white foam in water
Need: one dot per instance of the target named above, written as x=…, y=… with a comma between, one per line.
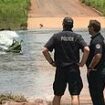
x=6, y=38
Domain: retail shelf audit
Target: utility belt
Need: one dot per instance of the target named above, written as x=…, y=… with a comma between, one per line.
x=68, y=64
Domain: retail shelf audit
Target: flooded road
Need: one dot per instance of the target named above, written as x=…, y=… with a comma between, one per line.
x=29, y=74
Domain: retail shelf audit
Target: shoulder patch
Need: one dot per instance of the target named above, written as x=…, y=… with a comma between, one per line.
x=98, y=46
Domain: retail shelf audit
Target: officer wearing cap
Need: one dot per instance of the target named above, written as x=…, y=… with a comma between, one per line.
x=96, y=63
x=66, y=45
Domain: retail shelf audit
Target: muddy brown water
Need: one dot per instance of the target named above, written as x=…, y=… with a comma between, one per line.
x=28, y=73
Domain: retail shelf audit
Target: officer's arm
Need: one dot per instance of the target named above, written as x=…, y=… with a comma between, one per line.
x=96, y=59
x=86, y=51
x=48, y=56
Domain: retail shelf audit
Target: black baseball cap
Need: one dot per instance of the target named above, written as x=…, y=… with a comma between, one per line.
x=68, y=21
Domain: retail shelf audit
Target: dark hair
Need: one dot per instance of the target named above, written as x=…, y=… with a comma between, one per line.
x=67, y=23
x=95, y=24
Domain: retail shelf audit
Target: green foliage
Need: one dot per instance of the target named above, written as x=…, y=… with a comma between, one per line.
x=10, y=97
x=98, y=4
x=13, y=13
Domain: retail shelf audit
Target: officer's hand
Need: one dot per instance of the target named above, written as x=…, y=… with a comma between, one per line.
x=88, y=71
x=53, y=64
x=80, y=65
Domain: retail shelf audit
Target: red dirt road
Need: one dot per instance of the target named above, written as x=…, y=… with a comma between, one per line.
x=49, y=14
x=60, y=8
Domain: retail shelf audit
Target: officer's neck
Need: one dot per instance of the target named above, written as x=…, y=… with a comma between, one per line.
x=94, y=34
x=65, y=29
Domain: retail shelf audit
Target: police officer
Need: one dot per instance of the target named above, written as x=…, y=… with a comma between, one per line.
x=66, y=45
x=96, y=63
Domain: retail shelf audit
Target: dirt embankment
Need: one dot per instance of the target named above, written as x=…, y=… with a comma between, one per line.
x=49, y=14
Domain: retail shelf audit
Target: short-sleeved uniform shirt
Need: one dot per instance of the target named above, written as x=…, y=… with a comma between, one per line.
x=66, y=45
x=97, y=46
x=96, y=79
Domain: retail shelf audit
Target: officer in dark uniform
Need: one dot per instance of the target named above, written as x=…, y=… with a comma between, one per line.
x=66, y=45
x=96, y=63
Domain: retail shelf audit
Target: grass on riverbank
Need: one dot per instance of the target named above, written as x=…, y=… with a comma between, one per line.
x=13, y=14
x=98, y=4
x=9, y=97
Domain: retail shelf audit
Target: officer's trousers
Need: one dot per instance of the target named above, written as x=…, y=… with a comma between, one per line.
x=96, y=82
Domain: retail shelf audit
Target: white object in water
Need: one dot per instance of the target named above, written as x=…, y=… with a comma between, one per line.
x=6, y=38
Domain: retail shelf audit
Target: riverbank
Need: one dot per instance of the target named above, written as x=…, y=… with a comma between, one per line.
x=31, y=13
x=56, y=22
x=9, y=99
